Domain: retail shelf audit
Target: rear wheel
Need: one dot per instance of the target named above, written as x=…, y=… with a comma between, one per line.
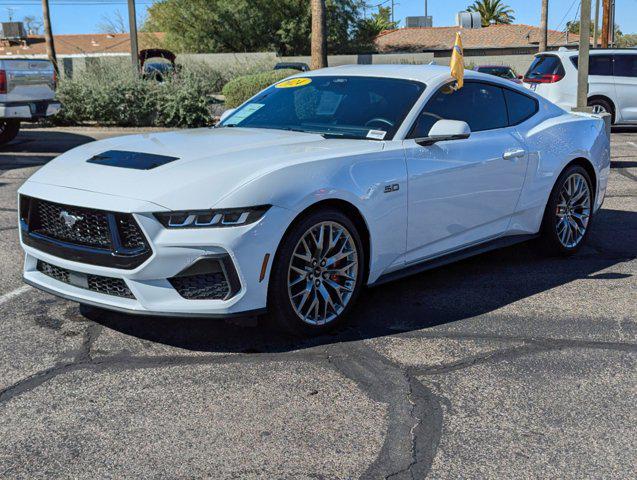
x=317, y=273
x=602, y=106
x=569, y=212
x=8, y=130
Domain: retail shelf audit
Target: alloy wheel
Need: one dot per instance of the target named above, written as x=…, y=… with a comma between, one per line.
x=322, y=273
x=598, y=109
x=573, y=210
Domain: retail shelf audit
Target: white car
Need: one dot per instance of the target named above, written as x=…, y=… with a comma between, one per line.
x=612, y=81
x=314, y=188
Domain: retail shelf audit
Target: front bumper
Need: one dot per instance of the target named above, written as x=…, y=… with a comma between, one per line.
x=173, y=252
x=29, y=110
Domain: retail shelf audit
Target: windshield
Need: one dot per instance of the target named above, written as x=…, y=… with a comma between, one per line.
x=342, y=107
x=502, y=72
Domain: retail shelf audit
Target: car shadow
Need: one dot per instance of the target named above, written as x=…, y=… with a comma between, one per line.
x=448, y=294
x=37, y=147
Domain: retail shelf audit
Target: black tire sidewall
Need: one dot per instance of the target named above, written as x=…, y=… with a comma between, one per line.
x=549, y=236
x=279, y=304
x=10, y=131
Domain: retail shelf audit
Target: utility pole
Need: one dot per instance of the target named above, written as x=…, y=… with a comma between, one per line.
x=582, y=61
x=605, y=22
x=319, y=36
x=134, y=48
x=544, y=34
x=596, y=25
x=48, y=36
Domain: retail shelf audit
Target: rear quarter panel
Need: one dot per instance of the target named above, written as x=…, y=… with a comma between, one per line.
x=554, y=142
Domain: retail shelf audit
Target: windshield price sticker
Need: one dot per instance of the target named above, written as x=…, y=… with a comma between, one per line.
x=294, y=83
x=244, y=113
x=376, y=134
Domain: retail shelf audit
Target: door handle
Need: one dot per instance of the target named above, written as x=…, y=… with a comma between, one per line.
x=513, y=153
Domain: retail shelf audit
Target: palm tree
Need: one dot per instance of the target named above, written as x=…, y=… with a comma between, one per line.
x=492, y=11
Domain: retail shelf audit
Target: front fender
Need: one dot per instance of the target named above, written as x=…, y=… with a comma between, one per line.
x=359, y=180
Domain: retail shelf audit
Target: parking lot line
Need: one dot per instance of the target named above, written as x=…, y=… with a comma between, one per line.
x=13, y=293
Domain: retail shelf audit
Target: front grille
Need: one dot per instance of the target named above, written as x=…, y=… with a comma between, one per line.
x=96, y=283
x=209, y=286
x=129, y=233
x=85, y=235
x=90, y=227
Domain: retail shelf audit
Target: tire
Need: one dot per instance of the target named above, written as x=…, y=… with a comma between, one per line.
x=8, y=130
x=556, y=225
x=600, y=106
x=291, y=294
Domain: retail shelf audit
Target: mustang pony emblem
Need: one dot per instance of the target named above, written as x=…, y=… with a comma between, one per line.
x=68, y=219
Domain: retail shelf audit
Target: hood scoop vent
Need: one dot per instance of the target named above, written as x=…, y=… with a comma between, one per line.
x=133, y=160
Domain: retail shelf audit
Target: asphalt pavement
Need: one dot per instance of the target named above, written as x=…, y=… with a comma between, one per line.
x=506, y=365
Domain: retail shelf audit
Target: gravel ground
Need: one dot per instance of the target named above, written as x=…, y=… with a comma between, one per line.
x=506, y=365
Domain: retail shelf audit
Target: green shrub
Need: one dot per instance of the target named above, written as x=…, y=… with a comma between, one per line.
x=110, y=94
x=242, y=88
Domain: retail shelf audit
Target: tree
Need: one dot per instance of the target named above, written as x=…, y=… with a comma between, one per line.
x=112, y=24
x=283, y=26
x=492, y=11
x=369, y=28
x=626, y=41
x=573, y=27
x=33, y=25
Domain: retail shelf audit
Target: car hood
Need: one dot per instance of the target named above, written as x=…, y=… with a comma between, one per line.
x=210, y=164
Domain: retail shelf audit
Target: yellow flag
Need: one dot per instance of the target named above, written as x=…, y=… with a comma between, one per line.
x=457, y=62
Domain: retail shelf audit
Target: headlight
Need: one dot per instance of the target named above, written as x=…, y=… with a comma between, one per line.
x=211, y=218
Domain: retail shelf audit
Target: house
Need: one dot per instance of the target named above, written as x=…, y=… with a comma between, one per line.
x=84, y=45
x=487, y=41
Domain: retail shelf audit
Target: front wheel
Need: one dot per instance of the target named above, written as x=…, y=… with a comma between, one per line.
x=8, y=130
x=568, y=214
x=317, y=273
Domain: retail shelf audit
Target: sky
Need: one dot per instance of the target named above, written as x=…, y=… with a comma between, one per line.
x=83, y=16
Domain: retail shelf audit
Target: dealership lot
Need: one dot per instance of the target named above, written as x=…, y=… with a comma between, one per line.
x=507, y=365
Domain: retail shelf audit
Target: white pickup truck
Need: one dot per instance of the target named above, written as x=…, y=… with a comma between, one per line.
x=27, y=92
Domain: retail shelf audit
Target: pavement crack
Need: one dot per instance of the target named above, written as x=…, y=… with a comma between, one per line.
x=414, y=414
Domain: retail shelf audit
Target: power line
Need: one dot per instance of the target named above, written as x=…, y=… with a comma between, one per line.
x=566, y=14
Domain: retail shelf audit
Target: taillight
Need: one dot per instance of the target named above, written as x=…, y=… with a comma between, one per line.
x=546, y=78
x=55, y=79
x=3, y=81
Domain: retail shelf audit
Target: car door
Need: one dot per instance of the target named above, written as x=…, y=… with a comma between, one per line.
x=462, y=191
x=625, y=73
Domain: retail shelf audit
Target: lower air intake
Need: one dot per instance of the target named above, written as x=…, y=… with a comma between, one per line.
x=115, y=287
x=209, y=278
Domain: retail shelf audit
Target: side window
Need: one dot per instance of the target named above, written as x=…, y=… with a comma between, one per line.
x=597, y=64
x=626, y=66
x=481, y=105
x=520, y=106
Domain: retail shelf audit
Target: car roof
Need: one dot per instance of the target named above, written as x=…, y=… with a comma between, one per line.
x=421, y=73
x=564, y=52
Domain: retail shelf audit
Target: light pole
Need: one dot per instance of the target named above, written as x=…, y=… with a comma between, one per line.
x=544, y=15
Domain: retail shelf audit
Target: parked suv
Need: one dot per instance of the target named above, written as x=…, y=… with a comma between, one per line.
x=612, y=81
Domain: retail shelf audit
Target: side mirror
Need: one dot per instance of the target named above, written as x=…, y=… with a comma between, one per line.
x=226, y=114
x=444, y=130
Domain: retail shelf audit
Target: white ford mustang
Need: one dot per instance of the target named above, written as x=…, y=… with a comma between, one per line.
x=312, y=189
